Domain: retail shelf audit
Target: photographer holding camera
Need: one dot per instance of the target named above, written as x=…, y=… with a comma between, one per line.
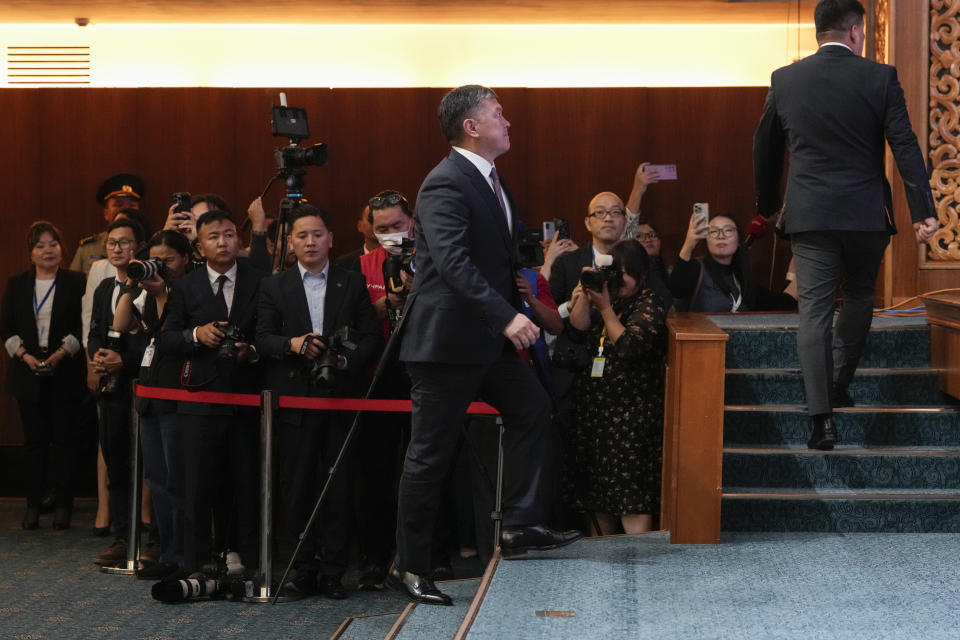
x=115, y=359
x=303, y=318
x=142, y=308
x=614, y=443
x=211, y=317
x=41, y=332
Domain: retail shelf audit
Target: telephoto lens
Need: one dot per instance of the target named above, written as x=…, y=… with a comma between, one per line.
x=140, y=270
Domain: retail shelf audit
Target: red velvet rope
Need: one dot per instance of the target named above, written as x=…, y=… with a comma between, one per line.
x=293, y=402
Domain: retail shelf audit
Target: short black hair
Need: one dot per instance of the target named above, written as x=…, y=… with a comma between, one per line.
x=173, y=239
x=39, y=228
x=386, y=199
x=127, y=223
x=457, y=106
x=214, y=215
x=631, y=257
x=213, y=200
x=304, y=210
x=836, y=15
x=140, y=218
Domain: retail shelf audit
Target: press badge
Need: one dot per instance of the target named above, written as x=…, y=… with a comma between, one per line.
x=597, y=371
x=148, y=355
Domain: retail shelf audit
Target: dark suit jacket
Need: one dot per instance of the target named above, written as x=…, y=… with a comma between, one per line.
x=192, y=304
x=18, y=320
x=283, y=314
x=832, y=111
x=565, y=273
x=101, y=319
x=465, y=292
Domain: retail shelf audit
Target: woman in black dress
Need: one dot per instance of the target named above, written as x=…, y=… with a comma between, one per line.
x=613, y=448
x=41, y=331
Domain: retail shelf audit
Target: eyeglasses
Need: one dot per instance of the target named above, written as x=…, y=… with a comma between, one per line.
x=600, y=214
x=722, y=233
x=653, y=235
x=123, y=243
x=386, y=199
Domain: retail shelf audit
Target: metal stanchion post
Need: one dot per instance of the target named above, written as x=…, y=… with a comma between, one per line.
x=266, y=592
x=497, y=515
x=129, y=567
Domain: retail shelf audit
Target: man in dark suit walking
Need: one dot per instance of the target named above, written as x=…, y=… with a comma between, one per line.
x=220, y=442
x=463, y=327
x=297, y=307
x=833, y=111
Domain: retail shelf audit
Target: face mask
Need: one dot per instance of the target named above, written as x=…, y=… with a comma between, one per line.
x=392, y=242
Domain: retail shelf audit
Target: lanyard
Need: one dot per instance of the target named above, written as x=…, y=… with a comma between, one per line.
x=37, y=307
x=603, y=336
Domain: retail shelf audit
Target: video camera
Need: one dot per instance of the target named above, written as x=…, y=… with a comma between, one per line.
x=291, y=122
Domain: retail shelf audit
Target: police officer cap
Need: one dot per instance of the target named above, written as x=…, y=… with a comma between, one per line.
x=122, y=184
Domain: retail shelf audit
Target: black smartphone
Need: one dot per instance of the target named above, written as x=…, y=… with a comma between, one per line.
x=182, y=200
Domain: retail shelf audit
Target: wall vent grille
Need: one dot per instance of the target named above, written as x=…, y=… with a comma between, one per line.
x=48, y=65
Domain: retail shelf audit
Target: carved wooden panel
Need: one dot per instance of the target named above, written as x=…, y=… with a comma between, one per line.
x=881, y=30
x=944, y=127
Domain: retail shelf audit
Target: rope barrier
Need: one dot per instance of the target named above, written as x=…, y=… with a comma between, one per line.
x=293, y=402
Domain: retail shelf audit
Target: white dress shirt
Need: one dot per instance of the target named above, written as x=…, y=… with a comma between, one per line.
x=315, y=288
x=484, y=167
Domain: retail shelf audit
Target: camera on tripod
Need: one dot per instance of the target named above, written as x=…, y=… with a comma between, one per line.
x=323, y=371
x=291, y=122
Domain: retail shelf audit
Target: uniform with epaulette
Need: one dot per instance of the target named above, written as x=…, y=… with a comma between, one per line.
x=93, y=248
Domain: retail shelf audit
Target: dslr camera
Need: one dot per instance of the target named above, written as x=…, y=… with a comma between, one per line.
x=400, y=257
x=529, y=253
x=140, y=270
x=231, y=336
x=322, y=371
x=595, y=278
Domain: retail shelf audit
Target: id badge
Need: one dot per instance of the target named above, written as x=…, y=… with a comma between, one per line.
x=148, y=355
x=597, y=370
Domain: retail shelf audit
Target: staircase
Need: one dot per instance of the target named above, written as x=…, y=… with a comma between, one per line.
x=896, y=467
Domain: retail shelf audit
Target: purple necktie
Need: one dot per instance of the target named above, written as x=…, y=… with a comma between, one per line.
x=495, y=179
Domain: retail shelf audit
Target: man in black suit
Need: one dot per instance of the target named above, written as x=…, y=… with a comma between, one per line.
x=116, y=359
x=297, y=307
x=221, y=444
x=463, y=327
x=833, y=111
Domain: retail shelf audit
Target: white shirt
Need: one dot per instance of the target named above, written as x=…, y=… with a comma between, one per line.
x=836, y=44
x=228, y=287
x=484, y=167
x=315, y=288
x=43, y=292
x=100, y=270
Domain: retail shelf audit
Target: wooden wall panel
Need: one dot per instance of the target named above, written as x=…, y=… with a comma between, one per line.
x=567, y=144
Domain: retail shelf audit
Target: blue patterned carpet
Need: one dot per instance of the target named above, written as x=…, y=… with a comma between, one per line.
x=762, y=585
x=50, y=590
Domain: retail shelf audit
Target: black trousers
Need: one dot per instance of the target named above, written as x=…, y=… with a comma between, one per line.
x=114, y=414
x=376, y=473
x=50, y=434
x=220, y=451
x=441, y=394
x=304, y=454
x=830, y=355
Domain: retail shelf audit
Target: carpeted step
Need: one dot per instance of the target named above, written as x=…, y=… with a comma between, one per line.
x=429, y=622
x=845, y=468
x=870, y=426
x=870, y=387
x=368, y=627
x=776, y=348
x=841, y=511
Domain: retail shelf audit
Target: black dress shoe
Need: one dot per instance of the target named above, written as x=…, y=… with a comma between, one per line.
x=417, y=588
x=157, y=571
x=840, y=397
x=31, y=519
x=824, y=433
x=101, y=532
x=515, y=542
x=61, y=519
x=331, y=587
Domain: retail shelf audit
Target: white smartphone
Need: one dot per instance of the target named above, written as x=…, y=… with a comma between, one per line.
x=701, y=211
x=664, y=171
x=549, y=228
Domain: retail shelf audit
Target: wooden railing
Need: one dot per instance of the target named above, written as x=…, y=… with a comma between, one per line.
x=943, y=316
x=693, y=429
